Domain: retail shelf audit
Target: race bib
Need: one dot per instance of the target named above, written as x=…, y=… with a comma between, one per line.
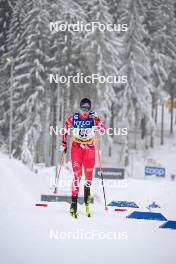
x=83, y=130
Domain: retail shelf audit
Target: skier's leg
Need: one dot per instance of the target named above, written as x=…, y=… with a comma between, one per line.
x=88, y=163
x=76, y=158
x=73, y=207
x=86, y=192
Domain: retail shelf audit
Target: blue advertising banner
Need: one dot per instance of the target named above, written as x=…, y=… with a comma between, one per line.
x=155, y=171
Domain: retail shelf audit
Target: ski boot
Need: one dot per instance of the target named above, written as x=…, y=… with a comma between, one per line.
x=73, y=207
x=87, y=199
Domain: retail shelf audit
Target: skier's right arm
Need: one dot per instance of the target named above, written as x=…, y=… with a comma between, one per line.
x=66, y=127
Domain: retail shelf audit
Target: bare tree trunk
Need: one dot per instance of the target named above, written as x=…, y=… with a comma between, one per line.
x=143, y=128
x=126, y=153
x=53, y=140
x=135, y=130
x=153, y=116
x=162, y=125
x=46, y=135
x=59, y=123
x=111, y=126
x=172, y=111
x=156, y=115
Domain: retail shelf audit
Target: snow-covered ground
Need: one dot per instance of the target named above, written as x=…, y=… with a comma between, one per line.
x=36, y=235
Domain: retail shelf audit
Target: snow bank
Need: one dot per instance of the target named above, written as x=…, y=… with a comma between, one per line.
x=49, y=235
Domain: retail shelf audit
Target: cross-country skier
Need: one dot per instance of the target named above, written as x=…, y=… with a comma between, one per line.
x=83, y=125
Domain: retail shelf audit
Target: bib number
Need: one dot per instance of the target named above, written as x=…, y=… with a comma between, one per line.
x=83, y=132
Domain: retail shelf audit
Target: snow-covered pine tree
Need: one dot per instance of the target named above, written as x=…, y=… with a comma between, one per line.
x=4, y=105
x=5, y=16
x=117, y=10
x=161, y=23
x=5, y=66
x=100, y=50
x=155, y=21
x=55, y=103
x=30, y=75
x=168, y=48
x=66, y=46
x=14, y=46
x=64, y=60
x=36, y=52
x=136, y=65
x=135, y=96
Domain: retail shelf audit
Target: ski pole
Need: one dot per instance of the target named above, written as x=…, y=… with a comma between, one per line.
x=59, y=171
x=101, y=174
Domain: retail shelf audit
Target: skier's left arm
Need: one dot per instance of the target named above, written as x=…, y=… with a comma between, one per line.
x=98, y=124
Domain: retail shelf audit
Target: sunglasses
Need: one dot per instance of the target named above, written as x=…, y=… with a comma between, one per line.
x=85, y=108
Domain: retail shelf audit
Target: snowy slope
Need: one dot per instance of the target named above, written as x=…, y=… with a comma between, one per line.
x=26, y=231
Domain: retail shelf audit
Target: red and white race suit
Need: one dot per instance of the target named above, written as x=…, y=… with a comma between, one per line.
x=82, y=149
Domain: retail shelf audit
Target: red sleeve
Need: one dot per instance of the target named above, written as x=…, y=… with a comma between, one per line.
x=67, y=125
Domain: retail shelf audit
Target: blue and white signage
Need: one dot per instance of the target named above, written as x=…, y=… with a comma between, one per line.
x=155, y=171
